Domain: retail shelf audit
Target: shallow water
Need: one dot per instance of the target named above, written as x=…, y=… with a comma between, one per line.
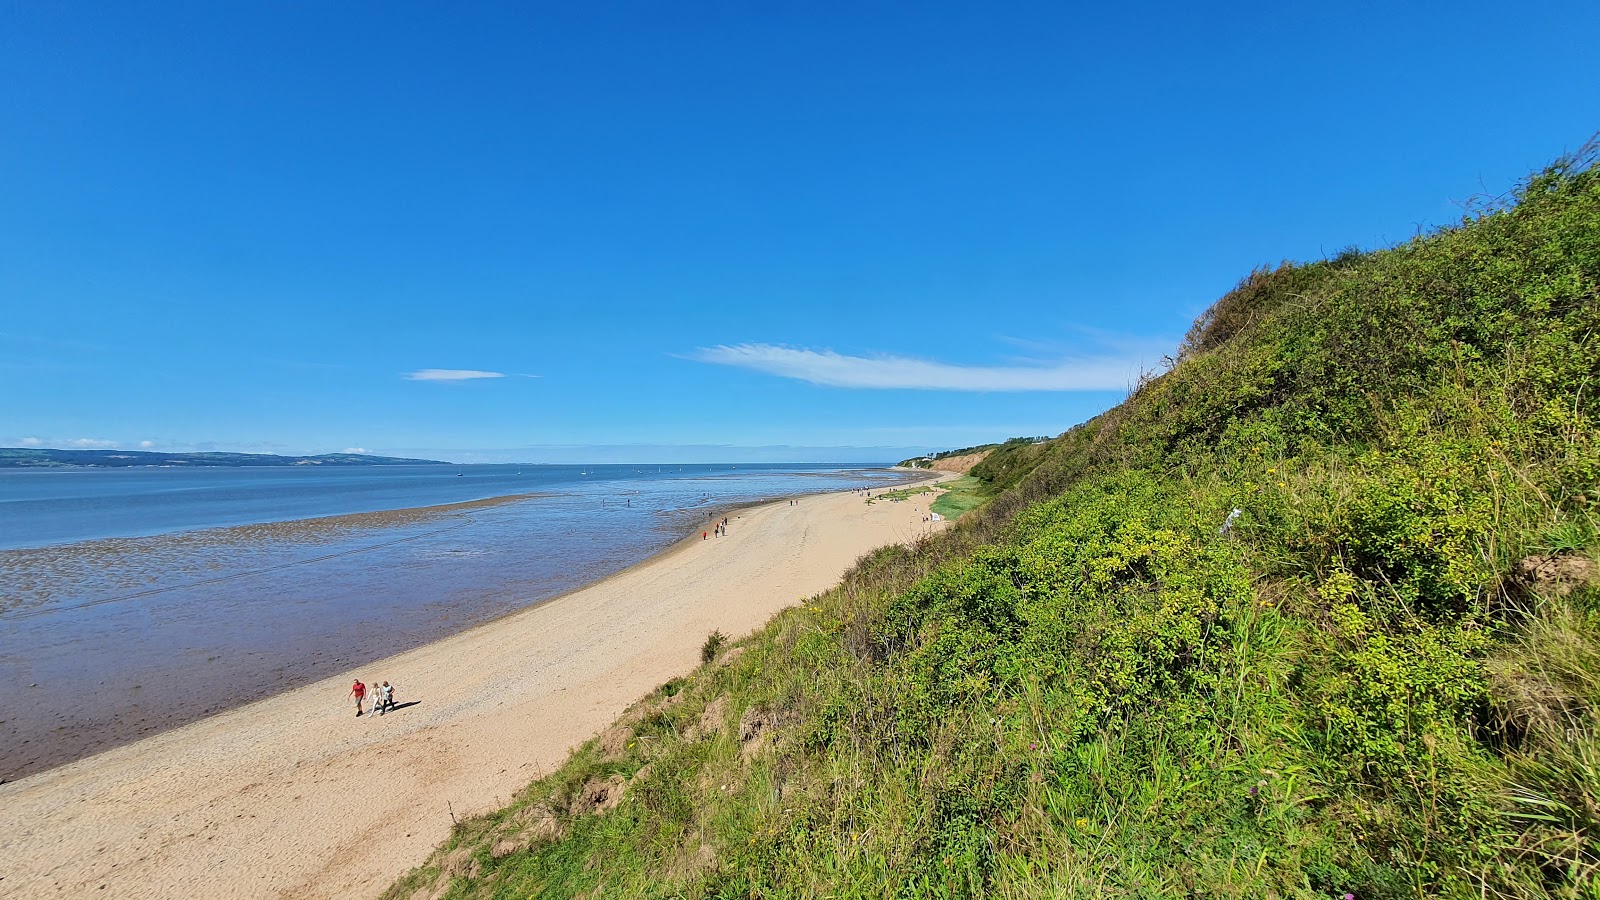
x=132, y=601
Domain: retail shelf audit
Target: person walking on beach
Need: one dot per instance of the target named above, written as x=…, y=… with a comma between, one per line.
x=385, y=698
x=358, y=691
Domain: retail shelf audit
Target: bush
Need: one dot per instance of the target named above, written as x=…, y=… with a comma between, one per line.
x=713, y=645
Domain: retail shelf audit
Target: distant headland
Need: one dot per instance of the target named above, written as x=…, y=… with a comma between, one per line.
x=42, y=458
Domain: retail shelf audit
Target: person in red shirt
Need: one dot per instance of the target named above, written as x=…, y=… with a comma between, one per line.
x=358, y=691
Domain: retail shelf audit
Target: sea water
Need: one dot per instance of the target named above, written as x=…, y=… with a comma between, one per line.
x=135, y=600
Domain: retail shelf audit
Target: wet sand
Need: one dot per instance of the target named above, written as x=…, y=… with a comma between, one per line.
x=293, y=796
x=117, y=639
x=35, y=574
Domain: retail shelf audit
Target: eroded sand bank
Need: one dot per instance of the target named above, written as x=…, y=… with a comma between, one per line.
x=293, y=796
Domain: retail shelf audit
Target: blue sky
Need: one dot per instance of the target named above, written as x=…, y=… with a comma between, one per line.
x=697, y=230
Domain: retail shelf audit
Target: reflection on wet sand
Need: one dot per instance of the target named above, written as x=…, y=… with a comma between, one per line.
x=36, y=581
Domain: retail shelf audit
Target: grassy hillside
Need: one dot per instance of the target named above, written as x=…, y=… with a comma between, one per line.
x=1312, y=613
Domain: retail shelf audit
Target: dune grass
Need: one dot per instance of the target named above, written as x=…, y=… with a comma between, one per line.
x=903, y=493
x=1381, y=678
x=961, y=496
x=951, y=499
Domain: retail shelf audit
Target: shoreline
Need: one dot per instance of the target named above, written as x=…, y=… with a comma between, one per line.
x=161, y=677
x=292, y=796
x=224, y=497
x=61, y=725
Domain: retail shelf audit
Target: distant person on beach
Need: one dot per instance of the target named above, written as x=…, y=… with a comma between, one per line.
x=359, y=691
x=385, y=698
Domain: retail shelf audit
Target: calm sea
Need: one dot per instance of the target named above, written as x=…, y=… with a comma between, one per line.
x=135, y=600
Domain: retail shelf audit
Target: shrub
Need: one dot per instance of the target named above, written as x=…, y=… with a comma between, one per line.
x=713, y=645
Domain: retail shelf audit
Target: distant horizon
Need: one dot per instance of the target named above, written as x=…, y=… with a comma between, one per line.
x=575, y=455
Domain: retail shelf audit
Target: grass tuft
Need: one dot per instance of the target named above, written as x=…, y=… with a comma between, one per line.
x=713, y=645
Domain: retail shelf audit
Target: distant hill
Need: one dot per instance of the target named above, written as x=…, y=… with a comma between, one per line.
x=30, y=458
x=965, y=458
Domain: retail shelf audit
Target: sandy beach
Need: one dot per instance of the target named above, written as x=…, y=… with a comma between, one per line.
x=293, y=796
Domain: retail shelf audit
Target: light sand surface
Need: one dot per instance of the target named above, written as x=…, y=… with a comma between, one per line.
x=294, y=796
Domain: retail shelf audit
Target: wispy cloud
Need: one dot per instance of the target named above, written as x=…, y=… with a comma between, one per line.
x=91, y=444
x=451, y=375
x=31, y=442
x=354, y=450
x=58, y=343
x=825, y=367
x=147, y=445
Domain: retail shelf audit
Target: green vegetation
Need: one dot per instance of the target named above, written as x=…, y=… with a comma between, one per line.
x=715, y=641
x=961, y=496
x=926, y=462
x=1381, y=676
x=903, y=493
x=952, y=498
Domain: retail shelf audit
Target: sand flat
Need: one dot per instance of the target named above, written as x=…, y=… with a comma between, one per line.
x=293, y=796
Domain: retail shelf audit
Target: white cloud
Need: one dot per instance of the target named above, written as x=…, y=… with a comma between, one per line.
x=31, y=442
x=354, y=450
x=92, y=444
x=451, y=375
x=146, y=445
x=1104, y=373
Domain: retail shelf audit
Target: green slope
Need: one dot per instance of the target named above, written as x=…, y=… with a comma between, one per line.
x=1382, y=678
